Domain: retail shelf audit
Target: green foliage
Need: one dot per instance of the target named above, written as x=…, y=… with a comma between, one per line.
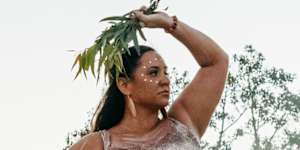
x=256, y=98
x=111, y=44
x=75, y=135
x=178, y=82
x=292, y=140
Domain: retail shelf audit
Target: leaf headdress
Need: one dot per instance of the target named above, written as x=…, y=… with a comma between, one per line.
x=111, y=44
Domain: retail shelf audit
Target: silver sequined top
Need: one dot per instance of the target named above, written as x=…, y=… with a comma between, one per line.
x=170, y=135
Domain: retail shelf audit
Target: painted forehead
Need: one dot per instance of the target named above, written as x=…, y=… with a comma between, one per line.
x=150, y=59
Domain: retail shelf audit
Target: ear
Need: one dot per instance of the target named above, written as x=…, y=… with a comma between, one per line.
x=124, y=85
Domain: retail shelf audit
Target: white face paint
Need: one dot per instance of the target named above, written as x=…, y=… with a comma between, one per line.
x=143, y=75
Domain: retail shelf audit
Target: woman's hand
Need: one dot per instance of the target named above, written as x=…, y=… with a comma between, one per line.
x=157, y=20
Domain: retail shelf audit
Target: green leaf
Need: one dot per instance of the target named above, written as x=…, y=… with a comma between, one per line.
x=121, y=18
x=117, y=34
x=76, y=60
x=84, y=74
x=83, y=62
x=130, y=36
x=91, y=53
x=107, y=37
x=103, y=59
x=121, y=63
x=98, y=76
x=125, y=46
x=112, y=53
x=112, y=22
x=107, y=65
x=80, y=67
x=142, y=34
x=79, y=70
x=121, y=59
x=136, y=43
x=93, y=69
x=106, y=51
x=127, y=14
x=117, y=76
x=120, y=31
x=103, y=44
x=117, y=64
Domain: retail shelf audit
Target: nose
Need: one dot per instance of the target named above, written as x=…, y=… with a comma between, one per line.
x=165, y=80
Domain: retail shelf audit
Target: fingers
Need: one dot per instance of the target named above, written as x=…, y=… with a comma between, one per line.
x=136, y=13
x=139, y=15
x=143, y=8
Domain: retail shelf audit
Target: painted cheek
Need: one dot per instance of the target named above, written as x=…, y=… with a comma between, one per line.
x=145, y=79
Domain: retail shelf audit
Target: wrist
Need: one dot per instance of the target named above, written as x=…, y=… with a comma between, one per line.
x=171, y=24
x=168, y=22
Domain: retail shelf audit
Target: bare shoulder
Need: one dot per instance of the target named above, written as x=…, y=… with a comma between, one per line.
x=92, y=141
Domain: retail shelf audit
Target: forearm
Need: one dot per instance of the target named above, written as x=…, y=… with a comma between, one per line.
x=205, y=50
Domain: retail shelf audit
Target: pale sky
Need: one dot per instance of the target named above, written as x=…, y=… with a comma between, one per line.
x=40, y=102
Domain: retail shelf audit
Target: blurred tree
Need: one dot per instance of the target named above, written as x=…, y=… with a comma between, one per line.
x=75, y=135
x=256, y=103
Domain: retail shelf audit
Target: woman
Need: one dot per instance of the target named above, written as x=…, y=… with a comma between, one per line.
x=128, y=119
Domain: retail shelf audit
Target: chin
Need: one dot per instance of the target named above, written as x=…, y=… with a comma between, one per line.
x=164, y=102
x=160, y=102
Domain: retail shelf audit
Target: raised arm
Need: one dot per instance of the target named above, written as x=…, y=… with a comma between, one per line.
x=206, y=52
x=198, y=100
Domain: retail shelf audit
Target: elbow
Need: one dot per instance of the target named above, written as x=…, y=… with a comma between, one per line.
x=225, y=62
x=223, y=59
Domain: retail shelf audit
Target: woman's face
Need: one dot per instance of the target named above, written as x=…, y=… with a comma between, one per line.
x=151, y=84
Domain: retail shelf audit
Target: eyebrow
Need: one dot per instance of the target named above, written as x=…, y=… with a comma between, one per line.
x=157, y=67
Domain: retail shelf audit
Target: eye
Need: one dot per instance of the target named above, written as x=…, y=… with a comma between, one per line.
x=154, y=73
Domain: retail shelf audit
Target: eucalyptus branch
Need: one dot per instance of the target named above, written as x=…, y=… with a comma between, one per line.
x=241, y=114
x=111, y=44
x=221, y=133
x=265, y=122
x=236, y=108
x=254, y=126
x=277, y=129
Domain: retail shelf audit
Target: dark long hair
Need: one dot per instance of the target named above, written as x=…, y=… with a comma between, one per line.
x=111, y=108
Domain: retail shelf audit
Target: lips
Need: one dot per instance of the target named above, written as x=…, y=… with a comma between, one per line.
x=164, y=92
